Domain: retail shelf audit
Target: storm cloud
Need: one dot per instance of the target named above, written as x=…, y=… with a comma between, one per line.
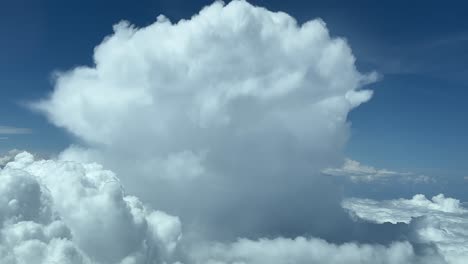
x=223, y=119
x=222, y=125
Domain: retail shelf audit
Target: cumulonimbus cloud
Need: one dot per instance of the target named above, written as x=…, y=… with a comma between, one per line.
x=230, y=113
x=225, y=120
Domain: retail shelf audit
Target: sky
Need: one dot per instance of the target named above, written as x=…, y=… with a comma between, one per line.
x=314, y=130
x=418, y=48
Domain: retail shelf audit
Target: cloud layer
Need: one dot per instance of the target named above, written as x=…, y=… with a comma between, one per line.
x=66, y=212
x=360, y=173
x=441, y=221
x=302, y=251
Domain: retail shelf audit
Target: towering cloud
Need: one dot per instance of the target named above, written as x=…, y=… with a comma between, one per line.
x=224, y=119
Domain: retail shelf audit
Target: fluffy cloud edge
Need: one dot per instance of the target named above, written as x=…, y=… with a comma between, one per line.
x=47, y=220
x=69, y=212
x=441, y=221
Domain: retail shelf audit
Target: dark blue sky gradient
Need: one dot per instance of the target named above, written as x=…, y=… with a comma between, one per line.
x=415, y=122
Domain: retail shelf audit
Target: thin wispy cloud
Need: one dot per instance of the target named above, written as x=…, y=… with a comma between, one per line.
x=10, y=130
x=358, y=172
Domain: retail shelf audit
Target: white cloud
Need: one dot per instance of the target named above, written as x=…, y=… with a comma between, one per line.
x=442, y=221
x=225, y=120
x=213, y=115
x=69, y=212
x=302, y=251
x=358, y=172
x=9, y=130
x=9, y=156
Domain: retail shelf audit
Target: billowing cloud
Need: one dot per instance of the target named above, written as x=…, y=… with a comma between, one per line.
x=358, y=172
x=441, y=221
x=232, y=112
x=67, y=212
x=224, y=121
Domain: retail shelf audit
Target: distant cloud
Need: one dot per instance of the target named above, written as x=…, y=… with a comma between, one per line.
x=9, y=130
x=442, y=221
x=305, y=251
x=357, y=172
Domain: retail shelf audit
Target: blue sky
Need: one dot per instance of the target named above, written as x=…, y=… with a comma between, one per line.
x=236, y=117
x=415, y=122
